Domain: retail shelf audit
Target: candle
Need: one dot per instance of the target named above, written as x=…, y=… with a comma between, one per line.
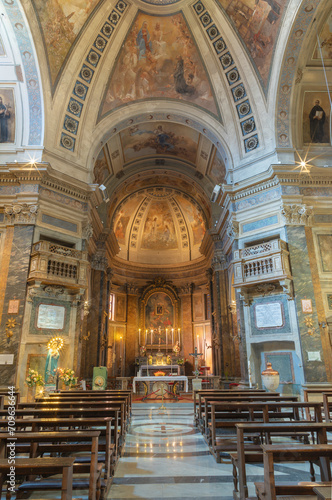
x=198, y=343
x=166, y=341
x=146, y=336
x=172, y=336
x=151, y=337
x=139, y=336
x=179, y=335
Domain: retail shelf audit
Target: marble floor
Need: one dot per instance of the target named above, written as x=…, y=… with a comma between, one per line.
x=166, y=457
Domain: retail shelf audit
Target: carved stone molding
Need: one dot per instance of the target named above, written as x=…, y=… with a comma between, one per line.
x=232, y=229
x=218, y=262
x=87, y=231
x=186, y=289
x=132, y=289
x=299, y=215
x=21, y=213
x=54, y=290
x=99, y=262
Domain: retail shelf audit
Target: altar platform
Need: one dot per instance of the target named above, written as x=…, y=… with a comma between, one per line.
x=158, y=386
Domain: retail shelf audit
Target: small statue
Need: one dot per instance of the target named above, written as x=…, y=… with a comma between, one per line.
x=142, y=351
x=150, y=360
x=176, y=348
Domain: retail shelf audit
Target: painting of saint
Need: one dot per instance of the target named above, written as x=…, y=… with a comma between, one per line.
x=159, y=313
x=159, y=59
x=159, y=231
x=7, y=115
x=160, y=138
x=325, y=38
x=218, y=169
x=257, y=23
x=316, y=118
x=61, y=21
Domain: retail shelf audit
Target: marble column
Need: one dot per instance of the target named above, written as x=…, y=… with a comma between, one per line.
x=20, y=220
x=296, y=218
x=186, y=326
x=131, y=341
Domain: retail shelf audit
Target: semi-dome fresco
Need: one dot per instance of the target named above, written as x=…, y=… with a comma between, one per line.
x=157, y=221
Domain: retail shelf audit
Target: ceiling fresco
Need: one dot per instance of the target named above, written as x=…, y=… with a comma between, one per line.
x=160, y=60
x=149, y=139
x=123, y=216
x=218, y=169
x=61, y=22
x=159, y=230
x=195, y=217
x=257, y=23
x=325, y=37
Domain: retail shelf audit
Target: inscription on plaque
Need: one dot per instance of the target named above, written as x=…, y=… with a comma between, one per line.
x=51, y=317
x=269, y=315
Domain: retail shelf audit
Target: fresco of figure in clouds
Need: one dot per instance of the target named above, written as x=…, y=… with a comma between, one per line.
x=257, y=23
x=159, y=59
x=161, y=138
x=325, y=37
x=61, y=22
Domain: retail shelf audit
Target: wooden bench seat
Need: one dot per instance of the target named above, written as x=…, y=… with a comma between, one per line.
x=72, y=442
x=28, y=466
x=321, y=453
x=267, y=431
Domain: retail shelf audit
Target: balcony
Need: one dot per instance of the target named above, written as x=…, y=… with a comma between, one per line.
x=56, y=264
x=262, y=264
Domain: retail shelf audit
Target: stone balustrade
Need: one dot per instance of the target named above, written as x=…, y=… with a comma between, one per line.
x=56, y=264
x=261, y=263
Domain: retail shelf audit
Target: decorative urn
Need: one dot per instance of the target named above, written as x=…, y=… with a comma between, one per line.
x=270, y=378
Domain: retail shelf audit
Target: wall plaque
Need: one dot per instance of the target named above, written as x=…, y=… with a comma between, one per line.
x=269, y=315
x=306, y=306
x=13, y=306
x=6, y=359
x=50, y=317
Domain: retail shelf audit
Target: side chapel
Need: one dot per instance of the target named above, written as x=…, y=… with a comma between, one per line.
x=166, y=185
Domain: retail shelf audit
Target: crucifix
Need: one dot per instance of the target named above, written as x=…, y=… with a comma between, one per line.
x=195, y=354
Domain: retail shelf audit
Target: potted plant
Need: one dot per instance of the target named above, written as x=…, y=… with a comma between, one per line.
x=68, y=377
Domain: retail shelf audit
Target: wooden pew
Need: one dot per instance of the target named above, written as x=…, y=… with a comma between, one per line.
x=89, y=393
x=208, y=392
x=291, y=453
x=7, y=394
x=327, y=405
x=206, y=411
x=212, y=394
x=28, y=466
x=244, y=455
x=230, y=414
x=108, y=446
x=59, y=442
x=84, y=401
x=315, y=395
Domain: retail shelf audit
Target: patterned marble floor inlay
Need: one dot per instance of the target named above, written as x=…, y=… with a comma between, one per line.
x=166, y=457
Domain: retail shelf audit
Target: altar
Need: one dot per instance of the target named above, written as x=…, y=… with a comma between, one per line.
x=161, y=385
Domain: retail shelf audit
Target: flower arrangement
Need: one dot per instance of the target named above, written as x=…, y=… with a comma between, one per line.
x=176, y=348
x=67, y=376
x=143, y=350
x=34, y=378
x=181, y=361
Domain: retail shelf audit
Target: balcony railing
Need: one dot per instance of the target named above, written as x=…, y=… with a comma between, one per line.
x=261, y=263
x=56, y=264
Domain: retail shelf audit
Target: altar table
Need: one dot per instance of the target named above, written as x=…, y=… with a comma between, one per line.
x=148, y=381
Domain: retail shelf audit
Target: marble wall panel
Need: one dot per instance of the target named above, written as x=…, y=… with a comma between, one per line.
x=18, y=266
x=314, y=371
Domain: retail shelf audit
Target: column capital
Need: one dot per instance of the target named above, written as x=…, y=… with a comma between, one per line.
x=21, y=213
x=297, y=214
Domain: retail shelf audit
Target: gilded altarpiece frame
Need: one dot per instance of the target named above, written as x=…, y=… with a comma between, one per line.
x=159, y=310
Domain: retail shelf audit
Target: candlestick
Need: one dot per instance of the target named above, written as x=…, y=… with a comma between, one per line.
x=166, y=341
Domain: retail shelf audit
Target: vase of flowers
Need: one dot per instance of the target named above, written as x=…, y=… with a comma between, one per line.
x=33, y=380
x=68, y=377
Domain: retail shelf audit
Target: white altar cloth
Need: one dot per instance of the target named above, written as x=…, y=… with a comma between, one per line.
x=166, y=378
